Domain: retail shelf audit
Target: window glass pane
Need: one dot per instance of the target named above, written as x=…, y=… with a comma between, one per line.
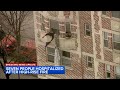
x=117, y=46
x=50, y=58
x=88, y=33
x=105, y=35
x=50, y=50
x=87, y=26
x=66, y=62
x=87, y=29
x=116, y=14
x=89, y=62
x=67, y=27
x=108, y=67
x=54, y=24
x=108, y=75
x=89, y=59
x=66, y=54
x=118, y=69
x=90, y=65
x=116, y=38
x=106, y=43
x=117, y=76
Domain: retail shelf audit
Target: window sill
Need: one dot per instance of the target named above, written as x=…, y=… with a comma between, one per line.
x=106, y=48
x=90, y=69
x=115, y=19
x=85, y=36
x=112, y=18
x=116, y=51
x=68, y=68
x=105, y=16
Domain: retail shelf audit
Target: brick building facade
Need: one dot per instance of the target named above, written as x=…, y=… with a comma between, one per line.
x=94, y=45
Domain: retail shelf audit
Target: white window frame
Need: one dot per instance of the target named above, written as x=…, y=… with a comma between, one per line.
x=66, y=26
x=115, y=41
x=117, y=73
x=92, y=62
x=51, y=54
x=85, y=29
x=107, y=71
x=63, y=57
x=105, y=39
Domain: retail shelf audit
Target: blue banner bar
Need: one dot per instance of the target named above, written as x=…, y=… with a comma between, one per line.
x=35, y=69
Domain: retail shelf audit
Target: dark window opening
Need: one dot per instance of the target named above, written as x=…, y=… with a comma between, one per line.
x=108, y=74
x=54, y=26
x=116, y=14
x=66, y=54
x=87, y=29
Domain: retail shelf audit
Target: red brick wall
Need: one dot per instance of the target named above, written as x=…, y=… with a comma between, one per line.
x=112, y=72
x=86, y=42
x=41, y=53
x=101, y=70
x=97, y=36
x=96, y=19
x=75, y=72
x=108, y=56
x=98, y=49
x=87, y=73
x=66, y=14
x=108, y=13
x=110, y=42
x=106, y=23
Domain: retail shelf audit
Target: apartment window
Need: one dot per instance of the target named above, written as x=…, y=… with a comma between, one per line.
x=42, y=23
x=116, y=42
x=54, y=26
x=117, y=72
x=87, y=29
x=116, y=14
x=89, y=61
x=108, y=75
x=67, y=24
x=66, y=59
x=104, y=12
x=105, y=39
x=51, y=54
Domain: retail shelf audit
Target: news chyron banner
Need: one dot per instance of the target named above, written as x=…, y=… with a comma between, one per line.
x=32, y=68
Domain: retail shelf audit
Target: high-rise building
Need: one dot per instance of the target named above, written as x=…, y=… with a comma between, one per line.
x=89, y=43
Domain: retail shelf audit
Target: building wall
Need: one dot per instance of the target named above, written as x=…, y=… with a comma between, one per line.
x=86, y=45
